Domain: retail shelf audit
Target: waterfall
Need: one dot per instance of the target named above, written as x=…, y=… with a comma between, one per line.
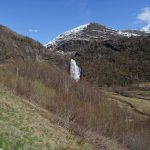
x=74, y=70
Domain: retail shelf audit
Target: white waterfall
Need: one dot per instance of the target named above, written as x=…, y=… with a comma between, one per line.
x=74, y=70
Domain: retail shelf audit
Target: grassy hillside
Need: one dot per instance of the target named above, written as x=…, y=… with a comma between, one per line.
x=23, y=127
x=82, y=108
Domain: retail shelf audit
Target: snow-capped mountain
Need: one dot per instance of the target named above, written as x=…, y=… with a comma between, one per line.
x=76, y=38
x=71, y=34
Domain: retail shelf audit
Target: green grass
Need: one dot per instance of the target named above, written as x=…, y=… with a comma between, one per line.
x=22, y=127
x=139, y=104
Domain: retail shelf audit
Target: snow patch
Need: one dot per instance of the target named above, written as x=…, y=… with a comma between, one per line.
x=75, y=72
x=128, y=34
x=60, y=52
x=67, y=35
x=75, y=30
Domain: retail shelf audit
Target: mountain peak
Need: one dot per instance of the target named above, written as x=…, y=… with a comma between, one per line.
x=75, y=30
x=83, y=32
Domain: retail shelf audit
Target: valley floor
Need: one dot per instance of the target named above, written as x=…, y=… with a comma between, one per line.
x=137, y=101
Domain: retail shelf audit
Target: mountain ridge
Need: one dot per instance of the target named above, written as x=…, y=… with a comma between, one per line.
x=87, y=32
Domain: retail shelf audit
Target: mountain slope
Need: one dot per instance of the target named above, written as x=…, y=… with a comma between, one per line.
x=121, y=62
x=13, y=45
x=23, y=127
x=106, y=56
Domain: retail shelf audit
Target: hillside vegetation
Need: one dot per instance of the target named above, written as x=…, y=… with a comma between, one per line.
x=83, y=108
x=23, y=127
x=15, y=46
x=120, y=61
x=123, y=61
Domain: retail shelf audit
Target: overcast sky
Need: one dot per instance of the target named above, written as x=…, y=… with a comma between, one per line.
x=43, y=20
